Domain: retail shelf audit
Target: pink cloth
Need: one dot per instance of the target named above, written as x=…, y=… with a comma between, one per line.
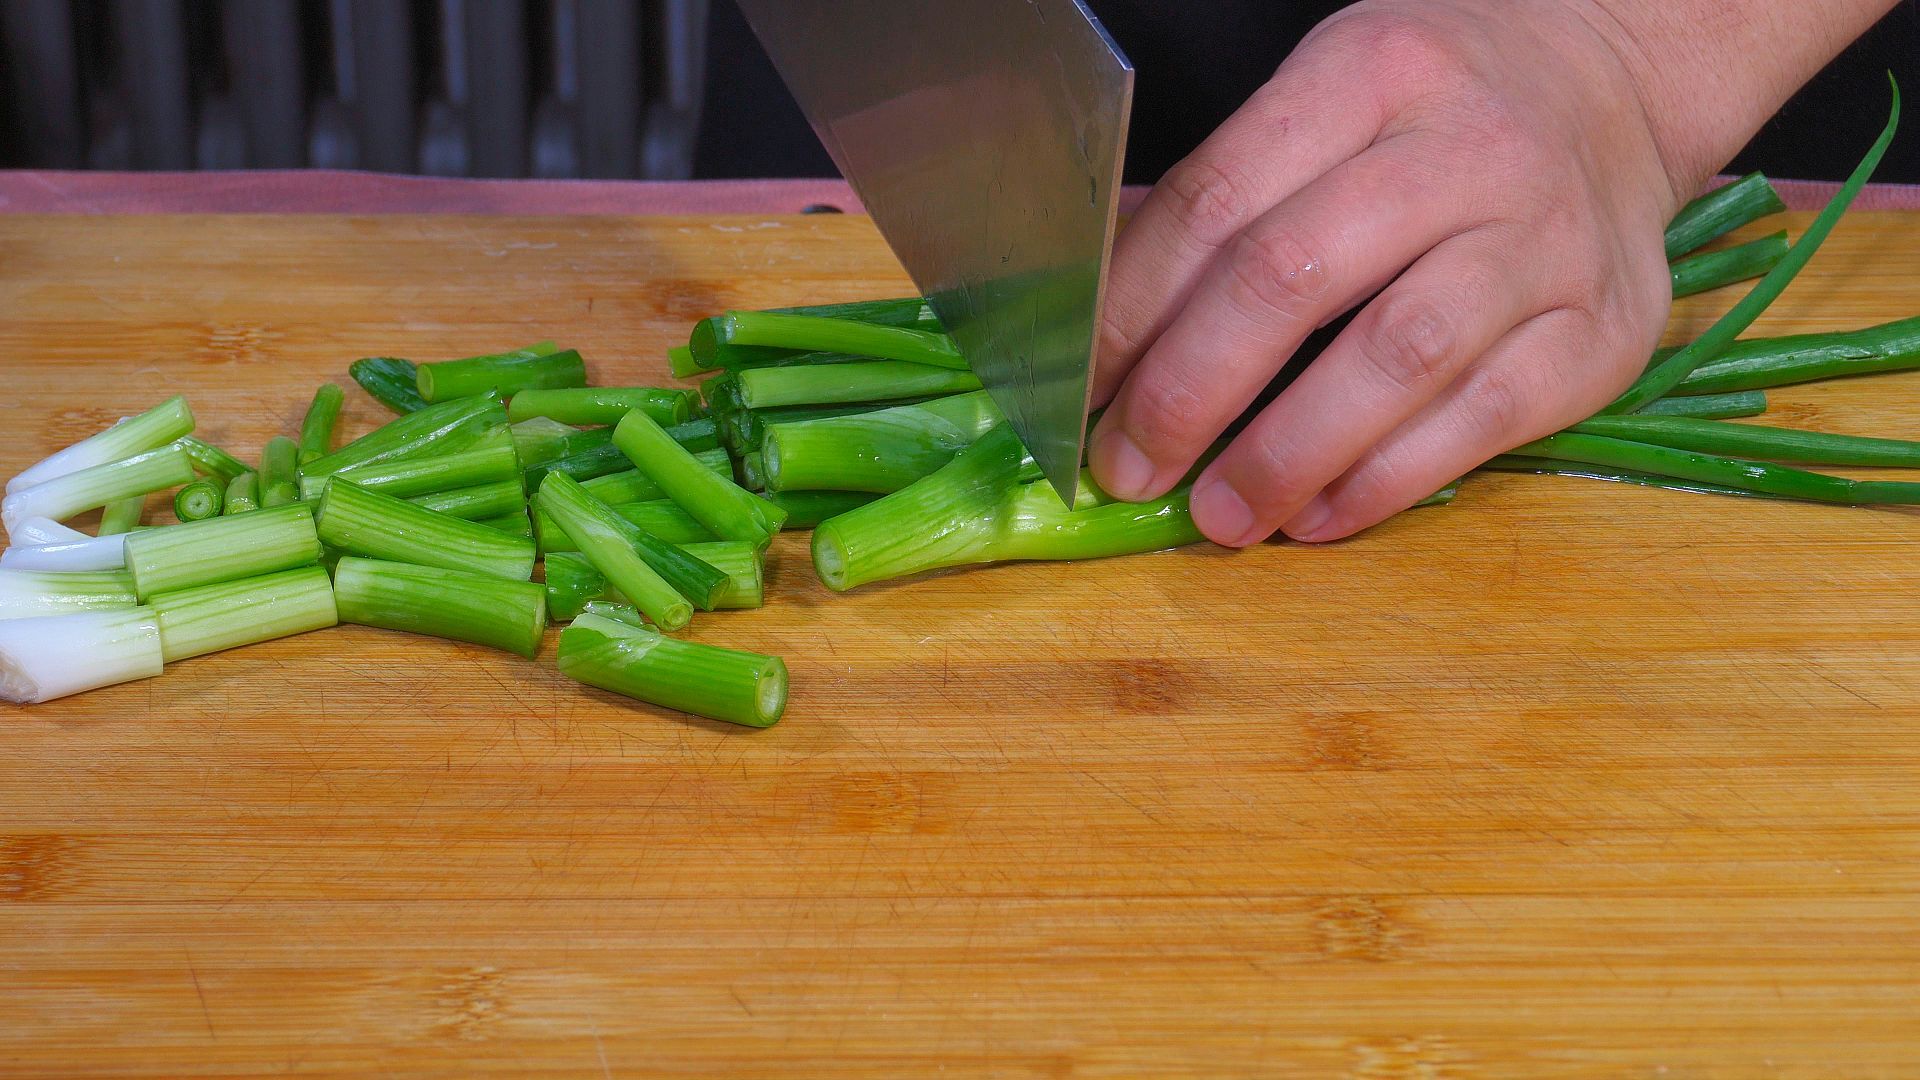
x=326, y=192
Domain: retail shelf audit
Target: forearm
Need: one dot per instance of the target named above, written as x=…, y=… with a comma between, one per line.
x=1710, y=72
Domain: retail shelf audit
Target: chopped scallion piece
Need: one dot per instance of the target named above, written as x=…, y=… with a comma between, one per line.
x=484, y=609
x=242, y=495
x=97, y=485
x=814, y=333
x=122, y=515
x=155, y=428
x=176, y=557
x=732, y=512
x=644, y=664
x=362, y=522
x=436, y=429
x=871, y=380
x=662, y=517
x=28, y=593
x=602, y=404
x=662, y=580
x=502, y=373
x=56, y=655
x=198, y=501
x=316, y=430
x=476, y=502
x=229, y=614
x=490, y=458
x=279, y=472
x=878, y=451
x=391, y=381
x=211, y=461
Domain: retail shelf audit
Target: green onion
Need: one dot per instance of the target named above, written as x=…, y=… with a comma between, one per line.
x=681, y=364
x=657, y=576
x=198, y=501
x=490, y=458
x=878, y=451
x=745, y=429
x=1754, y=441
x=436, y=429
x=1713, y=269
x=1728, y=472
x=227, y=615
x=45, y=544
x=122, y=516
x=805, y=509
x=503, y=373
x=607, y=460
x=1661, y=380
x=662, y=517
x=486, y=610
x=316, y=430
x=572, y=581
x=753, y=473
x=362, y=522
x=151, y=430
x=211, y=461
x=242, y=495
x=873, y=380
x=1709, y=406
x=730, y=511
x=518, y=523
x=909, y=312
x=602, y=404
x=56, y=655
x=97, y=485
x=1721, y=211
x=697, y=435
x=477, y=502
x=1563, y=467
x=391, y=381
x=219, y=549
x=1759, y=363
x=642, y=663
x=279, y=472
x=814, y=333
x=28, y=593
x=539, y=440
x=975, y=510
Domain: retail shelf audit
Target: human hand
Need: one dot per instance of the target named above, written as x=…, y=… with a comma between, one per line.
x=1490, y=171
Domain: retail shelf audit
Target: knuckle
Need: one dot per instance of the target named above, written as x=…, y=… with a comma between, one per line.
x=1502, y=409
x=1271, y=472
x=1401, y=44
x=1207, y=199
x=1276, y=270
x=1168, y=405
x=1412, y=342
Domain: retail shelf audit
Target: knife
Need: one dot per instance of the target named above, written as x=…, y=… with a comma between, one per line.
x=985, y=138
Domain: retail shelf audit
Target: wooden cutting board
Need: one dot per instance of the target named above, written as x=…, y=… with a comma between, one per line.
x=1565, y=779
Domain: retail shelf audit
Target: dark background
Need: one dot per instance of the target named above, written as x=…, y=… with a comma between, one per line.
x=1196, y=61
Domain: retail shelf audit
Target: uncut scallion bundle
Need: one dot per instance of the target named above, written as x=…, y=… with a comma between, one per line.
x=609, y=647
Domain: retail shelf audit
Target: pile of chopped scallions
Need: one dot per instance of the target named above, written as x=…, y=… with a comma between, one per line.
x=643, y=506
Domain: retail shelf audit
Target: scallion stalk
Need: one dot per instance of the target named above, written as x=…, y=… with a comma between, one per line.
x=753, y=473
x=198, y=501
x=1709, y=406
x=976, y=509
x=391, y=381
x=659, y=577
x=642, y=663
x=745, y=429
x=730, y=511
x=519, y=523
x=1760, y=363
x=367, y=523
x=56, y=655
x=229, y=614
x=453, y=604
x=95, y=486
x=539, y=440
x=316, y=429
x=503, y=373
x=602, y=404
x=572, y=581
x=242, y=495
x=1721, y=211
x=830, y=384
x=436, y=429
x=122, y=515
x=211, y=461
x=607, y=460
x=45, y=544
x=1713, y=269
x=477, y=502
x=135, y=435
x=662, y=517
x=1727, y=472
x=29, y=593
x=176, y=557
x=878, y=451
x=697, y=435
x=1754, y=441
x=1661, y=380
x=279, y=472
x=681, y=364
x=805, y=509
x=815, y=333
x=491, y=458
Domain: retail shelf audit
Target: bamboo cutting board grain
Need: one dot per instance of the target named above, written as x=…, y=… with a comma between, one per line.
x=1563, y=780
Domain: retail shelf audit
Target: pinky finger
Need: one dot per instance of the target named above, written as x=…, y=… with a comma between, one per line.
x=1539, y=378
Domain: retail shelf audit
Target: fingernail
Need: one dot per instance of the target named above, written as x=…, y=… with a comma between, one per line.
x=1222, y=514
x=1313, y=517
x=1125, y=472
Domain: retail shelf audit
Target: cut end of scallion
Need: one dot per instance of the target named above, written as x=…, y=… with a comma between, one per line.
x=57, y=655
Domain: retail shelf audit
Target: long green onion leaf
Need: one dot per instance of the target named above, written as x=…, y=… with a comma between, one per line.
x=1728, y=472
x=1709, y=406
x=1562, y=467
x=1754, y=441
x=1759, y=363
